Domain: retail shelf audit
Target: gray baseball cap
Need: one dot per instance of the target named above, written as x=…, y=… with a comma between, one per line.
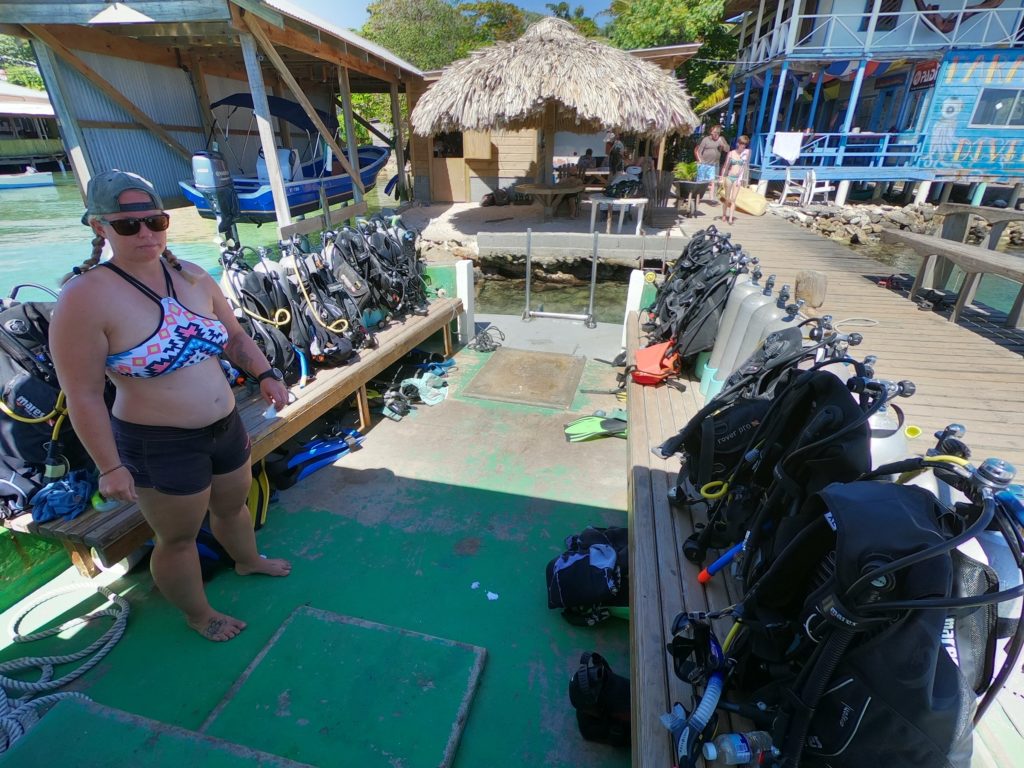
x=105, y=188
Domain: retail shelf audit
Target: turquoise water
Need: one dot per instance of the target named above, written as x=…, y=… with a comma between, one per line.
x=42, y=236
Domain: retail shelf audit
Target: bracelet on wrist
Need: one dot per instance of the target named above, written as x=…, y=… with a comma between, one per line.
x=112, y=469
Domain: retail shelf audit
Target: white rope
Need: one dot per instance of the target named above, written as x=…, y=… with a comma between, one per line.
x=17, y=715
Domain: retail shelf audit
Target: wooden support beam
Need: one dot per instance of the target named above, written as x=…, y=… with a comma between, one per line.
x=262, y=111
x=345, y=92
x=319, y=223
x=399, y=143
x=66, y=123
x=95, y=40
x=43, y=12
x=40, y=33
x=198, y=76
x=300, y=96
x=324, y=51
x=116, y=125
x=373, y=129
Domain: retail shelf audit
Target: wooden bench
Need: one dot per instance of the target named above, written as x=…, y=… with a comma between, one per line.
x=973, y=260
x=109, y=536
x=662, y=582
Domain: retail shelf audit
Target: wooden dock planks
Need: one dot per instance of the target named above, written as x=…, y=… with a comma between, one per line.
x=971, y=372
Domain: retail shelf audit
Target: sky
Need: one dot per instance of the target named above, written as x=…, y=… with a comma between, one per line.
x=352, y=13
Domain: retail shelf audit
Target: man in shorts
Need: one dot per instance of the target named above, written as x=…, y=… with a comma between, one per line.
x=709, y=157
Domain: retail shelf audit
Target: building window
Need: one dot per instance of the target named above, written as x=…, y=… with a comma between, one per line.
x=999, y=107
x=888, y=15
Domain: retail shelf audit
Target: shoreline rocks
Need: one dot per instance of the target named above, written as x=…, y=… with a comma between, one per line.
x=861, y=223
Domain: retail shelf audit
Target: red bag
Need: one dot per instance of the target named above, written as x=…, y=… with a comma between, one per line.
x=655, y=364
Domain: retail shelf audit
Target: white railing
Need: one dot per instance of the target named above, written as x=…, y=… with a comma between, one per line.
x=852, y=34
x=844, y=150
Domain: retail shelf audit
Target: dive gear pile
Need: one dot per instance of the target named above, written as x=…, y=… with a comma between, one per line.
x=315, y=308
x=865, y=625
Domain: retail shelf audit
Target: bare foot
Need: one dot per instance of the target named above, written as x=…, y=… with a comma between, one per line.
x=275, y=566
x=217, y=626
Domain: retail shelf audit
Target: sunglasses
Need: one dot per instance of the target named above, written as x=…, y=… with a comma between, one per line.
x=128, y=227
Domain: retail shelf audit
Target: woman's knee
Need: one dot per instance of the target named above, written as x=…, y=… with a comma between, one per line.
x=229, y=492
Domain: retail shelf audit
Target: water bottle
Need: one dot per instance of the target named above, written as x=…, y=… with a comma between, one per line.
x=739, y=748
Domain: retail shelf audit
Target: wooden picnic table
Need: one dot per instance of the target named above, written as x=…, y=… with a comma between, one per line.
x=551, y=195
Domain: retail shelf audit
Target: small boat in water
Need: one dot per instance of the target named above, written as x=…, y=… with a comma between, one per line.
x=304, y=178
x=29, y=178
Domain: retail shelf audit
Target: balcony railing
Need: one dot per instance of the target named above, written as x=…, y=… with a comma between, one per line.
x=854, y=34
x=846, y=150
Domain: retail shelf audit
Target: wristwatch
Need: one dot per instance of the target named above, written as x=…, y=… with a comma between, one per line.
x=270, y=373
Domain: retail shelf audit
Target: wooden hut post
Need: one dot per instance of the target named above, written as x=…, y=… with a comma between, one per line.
x=776, y=106
x=261, y=109
x=548, y=133
x=66, y=123
x=819, y=79
x=743, y=106
x=350, y=132
x=399, y=141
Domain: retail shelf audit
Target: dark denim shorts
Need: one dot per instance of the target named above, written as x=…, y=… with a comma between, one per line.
x=179, y=461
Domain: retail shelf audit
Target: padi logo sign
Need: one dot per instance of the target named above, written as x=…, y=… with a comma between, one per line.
x=830, y=520
x=29, y=407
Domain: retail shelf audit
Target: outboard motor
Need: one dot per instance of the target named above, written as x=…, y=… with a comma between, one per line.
x=213, y=181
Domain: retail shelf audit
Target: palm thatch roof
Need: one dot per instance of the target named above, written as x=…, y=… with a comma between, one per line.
x=595, y=87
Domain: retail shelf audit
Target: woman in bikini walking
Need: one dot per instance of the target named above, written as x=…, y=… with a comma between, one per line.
x=173, y=441
x=737, y=166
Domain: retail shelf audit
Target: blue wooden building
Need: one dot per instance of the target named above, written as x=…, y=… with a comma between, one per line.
x=875, y=91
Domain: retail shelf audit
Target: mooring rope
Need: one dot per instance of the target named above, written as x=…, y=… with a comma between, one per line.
x=17, y=715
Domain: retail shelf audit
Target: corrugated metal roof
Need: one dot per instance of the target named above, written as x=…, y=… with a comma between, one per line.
x=33, y=109
x=18, y=100
x=291, y=9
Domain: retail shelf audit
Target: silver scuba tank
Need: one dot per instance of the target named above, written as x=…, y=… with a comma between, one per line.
x=745, y=286
x=763, y=316
x=728, y=362
x=790, y=319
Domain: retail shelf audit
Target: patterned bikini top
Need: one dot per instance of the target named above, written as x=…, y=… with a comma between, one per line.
x=182, y=338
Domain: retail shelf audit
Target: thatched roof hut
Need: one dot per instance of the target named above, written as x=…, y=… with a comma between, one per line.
x=554, y=78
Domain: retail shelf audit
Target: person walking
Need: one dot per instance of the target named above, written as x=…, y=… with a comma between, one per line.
x=737, y=168
x=708, y=154
x=173, y=440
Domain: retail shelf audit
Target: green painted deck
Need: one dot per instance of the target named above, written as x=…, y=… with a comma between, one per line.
x=469, y=492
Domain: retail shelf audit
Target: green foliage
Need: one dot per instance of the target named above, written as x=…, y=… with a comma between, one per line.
x=27, y=77
x=494, y=20
x=15, y=51
x=685, y=171
x=372, y=106
x=650, y=23
x=577, y=17
x=427, y=33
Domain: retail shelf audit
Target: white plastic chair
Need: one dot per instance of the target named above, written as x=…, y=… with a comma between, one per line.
x=815, y=188
x=797, y=183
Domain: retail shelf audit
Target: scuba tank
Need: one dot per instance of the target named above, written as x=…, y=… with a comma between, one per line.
x=889, y=442
x=727, y=364
x=789, y=320
x=766, y=315
x=744, y=287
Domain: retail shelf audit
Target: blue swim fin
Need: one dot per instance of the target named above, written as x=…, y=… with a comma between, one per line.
x=320, y=453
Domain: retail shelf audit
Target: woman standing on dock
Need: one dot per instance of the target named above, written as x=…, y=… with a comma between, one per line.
x=737, y=166
x=174, y=440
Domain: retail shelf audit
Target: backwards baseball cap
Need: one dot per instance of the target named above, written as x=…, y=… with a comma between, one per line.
x=104, y=190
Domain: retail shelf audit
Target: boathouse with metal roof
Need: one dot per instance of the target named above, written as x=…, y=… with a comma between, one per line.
x=132, y=83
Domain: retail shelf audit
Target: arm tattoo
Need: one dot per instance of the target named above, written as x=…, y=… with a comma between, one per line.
x=236, y=352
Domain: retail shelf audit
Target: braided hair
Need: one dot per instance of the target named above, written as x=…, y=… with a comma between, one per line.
x=97, y=251
x=92, y=261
